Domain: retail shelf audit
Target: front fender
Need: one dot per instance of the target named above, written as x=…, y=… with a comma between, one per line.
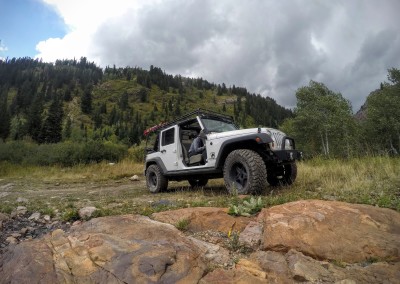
x=249, y=141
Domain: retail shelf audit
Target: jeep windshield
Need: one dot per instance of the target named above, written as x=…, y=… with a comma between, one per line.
x=218, y=125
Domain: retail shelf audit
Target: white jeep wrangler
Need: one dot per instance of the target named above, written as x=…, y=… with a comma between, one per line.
x=246, y=158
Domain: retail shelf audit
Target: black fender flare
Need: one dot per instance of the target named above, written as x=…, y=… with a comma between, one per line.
x=155, y=161
x=252, y=139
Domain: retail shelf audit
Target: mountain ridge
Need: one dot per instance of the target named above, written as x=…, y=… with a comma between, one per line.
x=113, y=104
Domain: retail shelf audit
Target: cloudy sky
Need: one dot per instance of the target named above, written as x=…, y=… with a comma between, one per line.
x=271, y=47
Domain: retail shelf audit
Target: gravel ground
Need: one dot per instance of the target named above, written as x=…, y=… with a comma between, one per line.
x=24, y=227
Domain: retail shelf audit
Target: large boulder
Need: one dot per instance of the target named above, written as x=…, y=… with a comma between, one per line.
x=331, y=230
x=120, y=249
x=204, y=218
x=294, y=267
x=306, y=241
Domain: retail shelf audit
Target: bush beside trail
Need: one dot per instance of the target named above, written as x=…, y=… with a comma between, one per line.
x=63, y=154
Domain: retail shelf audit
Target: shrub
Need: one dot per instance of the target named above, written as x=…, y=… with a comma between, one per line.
x=16, y=151
x=114, y=152
x=182, y=225
x=137, y=154
x=247, y=208
x=63, y=154
x=71, y=215
x=234, y=244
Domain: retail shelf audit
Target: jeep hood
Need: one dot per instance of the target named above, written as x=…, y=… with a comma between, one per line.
x=274, y=133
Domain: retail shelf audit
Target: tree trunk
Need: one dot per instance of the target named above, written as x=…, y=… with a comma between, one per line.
x=326, y=142
x=398, y=135
x=323, y=144
x=392, y=148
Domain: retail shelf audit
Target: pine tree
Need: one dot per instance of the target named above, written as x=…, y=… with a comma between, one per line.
x=67, y=129
x=4, y=117
x=143, y=95
x=18, y=127
x=97, y=119
x=86, y=101
x=35, y=118
x=103, y=108
x=219, y=90
x=51, y=131
x=177, y=111
x=123, y=102
x=113, y=117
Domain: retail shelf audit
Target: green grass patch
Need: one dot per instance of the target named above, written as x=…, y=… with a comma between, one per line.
x=182, y=224
x=56, y=190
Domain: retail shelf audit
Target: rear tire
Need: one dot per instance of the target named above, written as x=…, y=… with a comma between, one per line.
x=155, y=179
x=197, y=182
x=244, y=172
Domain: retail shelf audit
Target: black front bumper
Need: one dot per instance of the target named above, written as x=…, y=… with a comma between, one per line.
x=285, y=156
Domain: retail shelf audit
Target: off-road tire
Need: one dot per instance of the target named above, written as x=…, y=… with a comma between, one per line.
x=155, y=179
x=198, y=182
x=287, y=175
x=244, y=172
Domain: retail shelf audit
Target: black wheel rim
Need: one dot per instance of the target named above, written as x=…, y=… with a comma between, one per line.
x=153, y=179
x=238, y=175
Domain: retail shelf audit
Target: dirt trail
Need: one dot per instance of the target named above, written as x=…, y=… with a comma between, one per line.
x=20, y=198
x=61, y=201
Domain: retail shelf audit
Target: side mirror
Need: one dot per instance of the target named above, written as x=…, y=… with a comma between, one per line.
x=149, y=150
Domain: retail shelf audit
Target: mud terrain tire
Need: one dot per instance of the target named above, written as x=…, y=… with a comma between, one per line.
x=244, y=172
x=155, y=179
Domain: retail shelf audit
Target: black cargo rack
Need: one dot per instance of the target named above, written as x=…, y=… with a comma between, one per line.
x=183, y=118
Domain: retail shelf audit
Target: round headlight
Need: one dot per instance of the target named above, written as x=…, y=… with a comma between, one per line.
x=288, y=144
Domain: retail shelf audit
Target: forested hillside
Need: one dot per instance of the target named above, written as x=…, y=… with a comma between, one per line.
x=89, y=114
x=75, y=100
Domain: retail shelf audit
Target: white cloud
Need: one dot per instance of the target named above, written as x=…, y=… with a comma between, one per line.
x=269, y=47
x=87, y=15
x=3, y=48
x=73, y=45
x=82, y=19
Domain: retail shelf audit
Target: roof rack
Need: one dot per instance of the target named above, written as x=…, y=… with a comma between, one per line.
x=199, y=111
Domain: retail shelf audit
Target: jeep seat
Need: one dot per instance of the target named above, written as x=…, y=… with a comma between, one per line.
x=195, y=159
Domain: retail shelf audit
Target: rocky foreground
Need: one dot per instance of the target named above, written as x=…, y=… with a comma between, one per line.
x=305, y=241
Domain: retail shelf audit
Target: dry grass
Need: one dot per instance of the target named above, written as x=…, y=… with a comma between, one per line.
x=355, y=174
x=81, y=173
x=372, y=180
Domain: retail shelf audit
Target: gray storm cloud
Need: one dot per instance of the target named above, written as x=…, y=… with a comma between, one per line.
x=269, y=47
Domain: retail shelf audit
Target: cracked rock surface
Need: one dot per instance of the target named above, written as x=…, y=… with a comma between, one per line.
x=308, y=241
